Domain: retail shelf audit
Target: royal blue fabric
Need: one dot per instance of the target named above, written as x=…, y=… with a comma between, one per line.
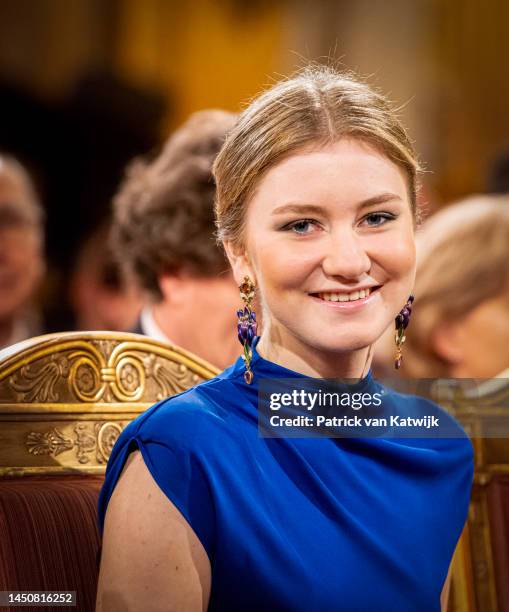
x=303, y=524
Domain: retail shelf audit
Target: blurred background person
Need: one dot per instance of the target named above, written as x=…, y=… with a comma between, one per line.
x=101, y=296
x=459, y=326
x=163, y=236
x=22, y=264
x=498, y=173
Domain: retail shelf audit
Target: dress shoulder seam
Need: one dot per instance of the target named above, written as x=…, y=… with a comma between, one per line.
x=208, y=383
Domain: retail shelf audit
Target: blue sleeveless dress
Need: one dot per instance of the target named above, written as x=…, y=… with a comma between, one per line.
x=303, y=524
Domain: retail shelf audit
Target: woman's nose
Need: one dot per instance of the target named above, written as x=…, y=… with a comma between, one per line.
x=346, y=256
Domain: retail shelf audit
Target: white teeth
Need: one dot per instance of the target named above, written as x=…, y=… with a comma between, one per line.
x=345, y=297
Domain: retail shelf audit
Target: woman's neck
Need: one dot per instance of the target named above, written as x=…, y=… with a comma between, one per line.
x=292, y=354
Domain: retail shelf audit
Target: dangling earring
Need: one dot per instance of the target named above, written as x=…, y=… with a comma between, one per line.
x=402, y=321
x=246, y=325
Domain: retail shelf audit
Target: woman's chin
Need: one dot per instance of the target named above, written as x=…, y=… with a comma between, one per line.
x=341, y=345
x=347, y=338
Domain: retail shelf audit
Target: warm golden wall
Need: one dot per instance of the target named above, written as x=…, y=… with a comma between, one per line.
x=471, y=53
x=446, y=59
x=200, y=53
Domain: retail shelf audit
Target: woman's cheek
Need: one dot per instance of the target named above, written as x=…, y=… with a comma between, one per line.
x=396, y=253
x=288, y=266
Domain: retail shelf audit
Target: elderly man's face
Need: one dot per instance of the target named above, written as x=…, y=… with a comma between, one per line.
x=21, y=261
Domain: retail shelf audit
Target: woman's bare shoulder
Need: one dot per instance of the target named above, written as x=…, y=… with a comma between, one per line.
x=151, y=557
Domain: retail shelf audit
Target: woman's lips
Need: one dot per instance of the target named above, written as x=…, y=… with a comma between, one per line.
x=349, y=306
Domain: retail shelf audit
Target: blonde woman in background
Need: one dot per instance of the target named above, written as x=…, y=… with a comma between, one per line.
x=460, y=323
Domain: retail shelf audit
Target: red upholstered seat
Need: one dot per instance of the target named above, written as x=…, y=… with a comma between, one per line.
x=48, y=535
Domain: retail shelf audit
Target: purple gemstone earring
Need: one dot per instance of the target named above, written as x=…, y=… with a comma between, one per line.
x=246, y=325
x=401, y=321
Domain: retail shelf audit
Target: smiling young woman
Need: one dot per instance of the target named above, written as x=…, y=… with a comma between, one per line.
x=323, y=225
x=316, y=189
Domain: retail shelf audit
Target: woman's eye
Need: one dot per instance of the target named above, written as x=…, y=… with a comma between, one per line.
x=377, y=219
x=303, y=226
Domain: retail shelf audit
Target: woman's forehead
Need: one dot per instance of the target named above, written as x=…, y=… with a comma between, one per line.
x=341, y=172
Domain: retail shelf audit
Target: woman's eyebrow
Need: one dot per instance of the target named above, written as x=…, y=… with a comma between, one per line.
x=299, y=209
x=381, y=198
x=312, y=209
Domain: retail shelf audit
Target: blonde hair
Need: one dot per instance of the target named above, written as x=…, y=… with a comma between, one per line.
x=318, y=105
x=462, y=255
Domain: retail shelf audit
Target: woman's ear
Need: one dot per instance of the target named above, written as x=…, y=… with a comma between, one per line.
x=239, y=261
x=447, y=342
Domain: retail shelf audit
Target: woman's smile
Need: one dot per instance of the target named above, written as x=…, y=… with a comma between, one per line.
x=344, y=301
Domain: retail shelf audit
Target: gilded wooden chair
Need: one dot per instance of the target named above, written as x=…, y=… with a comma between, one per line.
x=481, y=564
x=64, y=399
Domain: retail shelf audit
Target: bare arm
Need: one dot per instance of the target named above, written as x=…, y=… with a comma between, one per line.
x=444, y=597
x=151, y=558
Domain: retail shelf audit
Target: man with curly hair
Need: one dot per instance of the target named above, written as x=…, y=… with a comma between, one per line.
x=163, y=236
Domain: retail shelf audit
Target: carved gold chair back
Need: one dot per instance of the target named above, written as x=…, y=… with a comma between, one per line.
x=65, y=398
